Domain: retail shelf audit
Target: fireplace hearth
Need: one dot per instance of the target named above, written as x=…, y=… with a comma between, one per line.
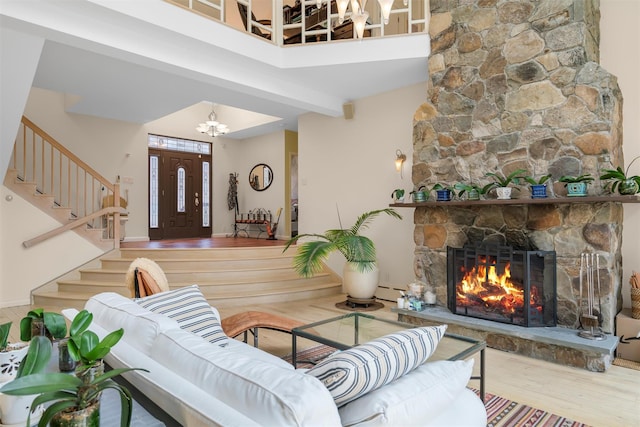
x=502, y=284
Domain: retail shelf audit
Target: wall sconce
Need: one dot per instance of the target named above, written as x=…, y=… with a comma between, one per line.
x=400, y=159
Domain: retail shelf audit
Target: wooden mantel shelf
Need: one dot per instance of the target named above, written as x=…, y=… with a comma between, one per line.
x=522, y=201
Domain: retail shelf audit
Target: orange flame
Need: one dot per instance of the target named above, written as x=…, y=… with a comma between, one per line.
x=486, y=287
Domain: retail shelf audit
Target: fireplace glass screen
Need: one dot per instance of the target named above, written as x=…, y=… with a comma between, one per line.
x=502, y=284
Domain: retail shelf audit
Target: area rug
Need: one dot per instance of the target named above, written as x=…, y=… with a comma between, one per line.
x=626, y=363
x=503, y=412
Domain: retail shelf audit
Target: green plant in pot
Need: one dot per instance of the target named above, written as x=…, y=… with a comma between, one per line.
x=621, y=181
x=398, y=195
x=538, y=186
x=502, y=182
x=40, y=322
x=420, y=195
x=74, y=399
x=443, y=192
x=17, y=409
x=360, y=273
x=10, y=354
x=473, y=191
x=576, y=185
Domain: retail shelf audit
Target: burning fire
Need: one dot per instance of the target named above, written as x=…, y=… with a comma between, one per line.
x=484, y=286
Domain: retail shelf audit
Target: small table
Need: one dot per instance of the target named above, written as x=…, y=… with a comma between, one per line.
x=350, y=330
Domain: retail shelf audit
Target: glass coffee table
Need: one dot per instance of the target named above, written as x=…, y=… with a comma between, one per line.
x=350, y=330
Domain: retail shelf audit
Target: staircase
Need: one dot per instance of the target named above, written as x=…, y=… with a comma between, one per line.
x=226, y=276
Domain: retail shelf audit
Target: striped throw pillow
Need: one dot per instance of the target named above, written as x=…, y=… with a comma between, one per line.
x=352, y=373
x=190, y=309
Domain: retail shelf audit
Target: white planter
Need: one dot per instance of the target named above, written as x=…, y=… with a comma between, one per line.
x=10, y=360
x=360, y=285
x=14, y=410
x=504, y=193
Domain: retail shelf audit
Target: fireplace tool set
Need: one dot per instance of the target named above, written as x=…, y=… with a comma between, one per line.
x=590, y=316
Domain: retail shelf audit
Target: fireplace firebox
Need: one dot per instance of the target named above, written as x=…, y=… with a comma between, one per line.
x=502, y=284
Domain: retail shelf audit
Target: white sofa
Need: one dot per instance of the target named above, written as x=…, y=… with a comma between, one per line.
x=201, y=384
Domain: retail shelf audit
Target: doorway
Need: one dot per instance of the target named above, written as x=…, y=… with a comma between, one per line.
x=179, y=194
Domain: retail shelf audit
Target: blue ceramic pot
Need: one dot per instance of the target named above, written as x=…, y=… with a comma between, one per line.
x=443, y=195
x=538, y=191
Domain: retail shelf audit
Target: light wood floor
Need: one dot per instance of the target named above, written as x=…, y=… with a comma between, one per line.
x=610, y=399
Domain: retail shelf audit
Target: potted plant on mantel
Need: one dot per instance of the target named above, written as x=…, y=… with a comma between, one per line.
x=501, y=183
x=360, y=273
x=443, y=192
x=621, y=181
x=398, y=195
x=538, y=186
x=74, y=399
x=473, y=191
x=576, y=185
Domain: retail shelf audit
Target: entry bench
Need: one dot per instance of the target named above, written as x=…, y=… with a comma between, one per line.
x=258, y=220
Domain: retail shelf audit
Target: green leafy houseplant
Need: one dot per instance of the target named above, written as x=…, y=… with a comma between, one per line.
x=54, y=324
x=473, y=191
x=65, y=393
x=4, y=335
x=538, y=186
x=16, y=409
x=502, y=181
x=621, y=181
x=420, y=195
x=398, y=194
x=443, y=192
x=357, y=249
x=539, y=181
x=577, y=185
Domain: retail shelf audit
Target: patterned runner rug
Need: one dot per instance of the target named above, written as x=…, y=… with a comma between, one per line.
x=501, y=412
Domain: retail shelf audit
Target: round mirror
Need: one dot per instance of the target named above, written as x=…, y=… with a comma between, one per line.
x=260, y=177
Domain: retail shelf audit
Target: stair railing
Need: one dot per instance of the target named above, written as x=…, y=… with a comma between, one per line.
x=41, y=160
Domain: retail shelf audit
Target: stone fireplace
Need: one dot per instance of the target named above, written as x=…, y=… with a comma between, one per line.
x=516, y=85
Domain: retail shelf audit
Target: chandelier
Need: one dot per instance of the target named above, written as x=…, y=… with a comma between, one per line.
x=212, y=127
x=359, y=16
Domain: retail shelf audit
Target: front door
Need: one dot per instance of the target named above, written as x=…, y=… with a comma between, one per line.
x=183, y=206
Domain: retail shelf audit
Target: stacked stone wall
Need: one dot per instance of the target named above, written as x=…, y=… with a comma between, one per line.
x=517, y=85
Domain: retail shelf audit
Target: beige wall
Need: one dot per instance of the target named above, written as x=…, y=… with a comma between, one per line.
x=620, y=55
x=349, y=165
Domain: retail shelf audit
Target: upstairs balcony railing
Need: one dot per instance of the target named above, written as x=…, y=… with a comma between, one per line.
x=292, y=22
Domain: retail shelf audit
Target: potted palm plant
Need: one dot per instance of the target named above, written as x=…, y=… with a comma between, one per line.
x=576, y=185
x=502, y=183
x=360, y=273
x=40, y=322
x=74, y=399
x=621, y=181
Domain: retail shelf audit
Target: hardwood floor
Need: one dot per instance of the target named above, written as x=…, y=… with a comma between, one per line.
x=610, y=399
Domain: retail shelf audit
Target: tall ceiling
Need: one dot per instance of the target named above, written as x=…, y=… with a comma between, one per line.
x=141, y=60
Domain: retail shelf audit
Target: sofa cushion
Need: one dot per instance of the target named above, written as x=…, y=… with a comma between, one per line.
x=269, y=394
x=352, y=373
x=190, y=309
x=420, y=396
x=112, y=311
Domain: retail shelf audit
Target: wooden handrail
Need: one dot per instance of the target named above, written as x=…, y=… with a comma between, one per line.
x=71, y=182
x=77, y=223
x=44, y=135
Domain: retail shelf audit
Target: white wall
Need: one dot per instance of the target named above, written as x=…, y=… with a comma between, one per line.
x=23, y=268
x=350, y=164
x=620, y=55
x=268, y=149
